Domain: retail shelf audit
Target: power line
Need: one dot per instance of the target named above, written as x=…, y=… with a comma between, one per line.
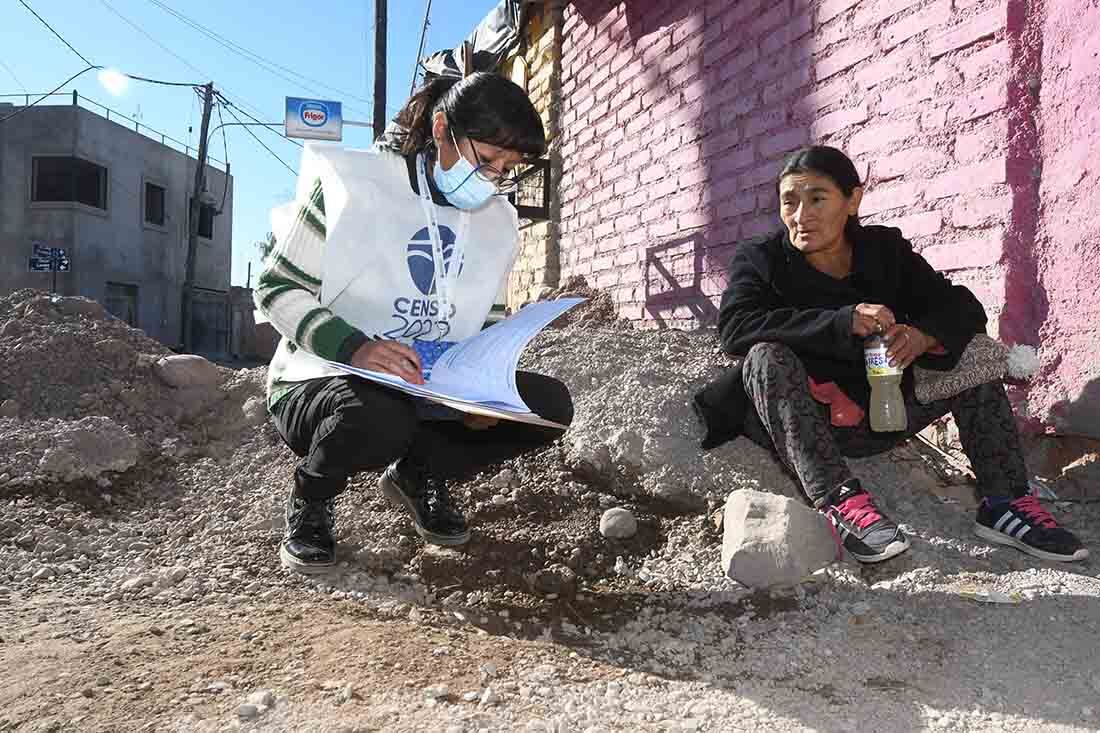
x=252, y=56
x=59, y=36
x=169, y=51
x=260, y=122
x=49, y=93
x=261, y=142
x=13, y=76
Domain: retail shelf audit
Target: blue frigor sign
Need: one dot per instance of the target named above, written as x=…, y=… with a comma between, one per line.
x=314, y=119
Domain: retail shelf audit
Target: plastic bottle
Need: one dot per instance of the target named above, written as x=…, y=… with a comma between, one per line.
x=887, y=403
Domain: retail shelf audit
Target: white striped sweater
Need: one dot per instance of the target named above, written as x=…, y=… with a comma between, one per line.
x=289, y=287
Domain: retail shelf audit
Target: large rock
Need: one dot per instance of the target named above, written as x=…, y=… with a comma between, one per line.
x=771, y=540
x=187, y=371
x=87, y=448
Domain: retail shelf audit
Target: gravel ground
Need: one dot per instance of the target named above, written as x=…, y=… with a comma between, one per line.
x=141, y=589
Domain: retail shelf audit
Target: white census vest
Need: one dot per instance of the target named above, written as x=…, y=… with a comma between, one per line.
x=379, y=273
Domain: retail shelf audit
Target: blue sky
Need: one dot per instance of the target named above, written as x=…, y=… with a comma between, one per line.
x=329, y=42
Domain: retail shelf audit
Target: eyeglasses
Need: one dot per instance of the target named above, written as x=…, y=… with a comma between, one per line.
x=504, y=183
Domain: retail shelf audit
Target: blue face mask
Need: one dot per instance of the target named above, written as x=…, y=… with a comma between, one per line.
x=461, y=185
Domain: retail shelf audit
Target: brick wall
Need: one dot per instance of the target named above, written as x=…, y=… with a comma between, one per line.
x=537, y=69
x=675, y=116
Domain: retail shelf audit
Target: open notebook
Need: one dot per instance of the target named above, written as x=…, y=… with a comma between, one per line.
x=478, y=374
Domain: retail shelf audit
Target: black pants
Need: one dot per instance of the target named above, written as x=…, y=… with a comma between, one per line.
x=340, y=426
x=797, y=427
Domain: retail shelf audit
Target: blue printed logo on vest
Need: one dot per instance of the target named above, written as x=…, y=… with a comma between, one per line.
x=421, y=263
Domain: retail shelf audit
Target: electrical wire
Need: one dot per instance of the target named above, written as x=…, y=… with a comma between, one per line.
x=259, y=122
x=267, y=64
x=225, y=151
x=261, y=142
x=7, y=68
x=59, y=36
x=49, y=93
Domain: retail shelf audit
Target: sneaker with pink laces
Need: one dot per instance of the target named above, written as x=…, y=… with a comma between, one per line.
x=1023, y=523
x=867, y=534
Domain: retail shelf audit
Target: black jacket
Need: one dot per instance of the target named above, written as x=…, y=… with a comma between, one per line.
x=775, y=295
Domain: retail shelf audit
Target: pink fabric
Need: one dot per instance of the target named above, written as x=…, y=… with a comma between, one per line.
x=1034, y=511
x=843, y=412
x=860, y=510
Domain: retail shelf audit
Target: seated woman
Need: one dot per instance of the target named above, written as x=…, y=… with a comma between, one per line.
x=799, y=305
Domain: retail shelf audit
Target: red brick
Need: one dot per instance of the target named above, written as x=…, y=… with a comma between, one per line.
x=881, y=198
x=629, y=110
x=629, y=72
x=995, y=54
x=980, y=26
x=692, y=69
x=913, y=226
x=966, y=178
x=980, y=102
x=881, y=135
x=757, y=225
x=723, y=141
x=663, y=228
x=981, y=211
x=915, y=24
x=907, y=161
x=829, y=9
x=758, y=176
x=876, y=12
x=836, y=121
x=979, y=251
x=785, y=88
x=843, y=58
x=677, y=56
x=783, y=142
x=897, y=96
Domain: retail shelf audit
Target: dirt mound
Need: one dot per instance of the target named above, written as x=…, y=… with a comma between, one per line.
x=597, y=312
x=66, y=360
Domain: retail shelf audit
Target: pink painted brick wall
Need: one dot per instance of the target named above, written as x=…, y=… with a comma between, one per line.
x=696, y=103
x=1067, y=397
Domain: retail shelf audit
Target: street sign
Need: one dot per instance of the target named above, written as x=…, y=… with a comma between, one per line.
x=48, y=259
x=314, y=119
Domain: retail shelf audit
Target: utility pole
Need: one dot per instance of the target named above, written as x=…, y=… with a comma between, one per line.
x=188, y=300
x=379, y=68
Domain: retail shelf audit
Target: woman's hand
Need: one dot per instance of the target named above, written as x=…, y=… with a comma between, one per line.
x=906, y=344
x=870, y=318
x=479, y=422
x=390, y=357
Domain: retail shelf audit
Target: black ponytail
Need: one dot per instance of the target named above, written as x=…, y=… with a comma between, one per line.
x=484, y=107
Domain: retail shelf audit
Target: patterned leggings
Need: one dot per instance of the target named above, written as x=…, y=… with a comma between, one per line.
x=797, y=427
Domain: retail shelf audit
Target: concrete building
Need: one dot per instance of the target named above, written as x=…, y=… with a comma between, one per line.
x=117, y=201
x=974, y=124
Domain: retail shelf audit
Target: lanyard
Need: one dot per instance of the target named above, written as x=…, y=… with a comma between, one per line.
x=445, y=277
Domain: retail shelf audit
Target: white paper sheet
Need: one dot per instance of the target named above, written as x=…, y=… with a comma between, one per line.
x=479, y=374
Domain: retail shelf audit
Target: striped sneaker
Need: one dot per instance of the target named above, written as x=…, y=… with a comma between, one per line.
x=1024, y=524
x=867, y=534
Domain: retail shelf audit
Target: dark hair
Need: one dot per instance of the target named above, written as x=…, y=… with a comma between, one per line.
x=824, y=161
x=484, y=107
